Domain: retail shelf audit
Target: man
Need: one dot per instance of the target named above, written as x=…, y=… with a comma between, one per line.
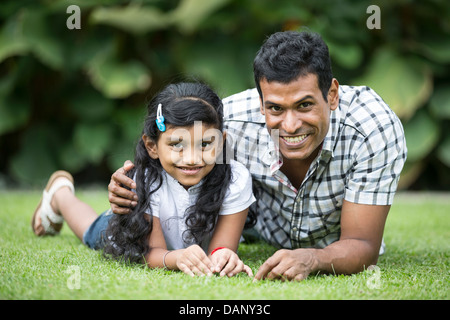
x=325, y=160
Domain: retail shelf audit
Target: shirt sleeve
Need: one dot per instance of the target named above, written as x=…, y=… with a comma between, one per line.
x=377, y=166
x=240, y=192
x=154, y=204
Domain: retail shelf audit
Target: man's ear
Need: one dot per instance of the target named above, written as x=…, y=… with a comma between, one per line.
x=151, y=147
x=333, y=94
x=261, y=106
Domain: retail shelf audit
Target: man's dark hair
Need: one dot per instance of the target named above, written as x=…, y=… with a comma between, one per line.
x=285, y=56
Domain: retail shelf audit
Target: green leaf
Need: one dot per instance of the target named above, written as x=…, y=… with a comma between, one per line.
x=44, y=46
x=26, y=32
x=71, y=158
x=217, y=63
x=12, y=41
x=422, y=134
x=402, y=82
x=440, y=102
x=134, y=18
x=411, y=171
x=118, y=79
x=35, y=161
x=14, y=111
x=190, y=13
x=131, y=121
x=348, y=56
x=443, y=151
x=89, y=104
x=435, y=48
x=93, y=140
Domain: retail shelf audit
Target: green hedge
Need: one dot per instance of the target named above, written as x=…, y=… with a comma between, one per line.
x=75, y=98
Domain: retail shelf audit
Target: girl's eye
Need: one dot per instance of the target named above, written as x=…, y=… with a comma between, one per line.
x=177, y=147
x=206, y=144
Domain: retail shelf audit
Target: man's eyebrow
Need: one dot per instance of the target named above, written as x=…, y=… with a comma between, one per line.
x=295, y=103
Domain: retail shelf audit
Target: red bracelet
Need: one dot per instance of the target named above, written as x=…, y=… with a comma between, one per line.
x=218, y=248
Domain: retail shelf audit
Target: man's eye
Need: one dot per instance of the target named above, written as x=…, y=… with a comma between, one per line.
x=275, y=108
x=305, y=105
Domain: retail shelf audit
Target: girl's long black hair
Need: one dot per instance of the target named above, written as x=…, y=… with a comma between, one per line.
x=126, y=238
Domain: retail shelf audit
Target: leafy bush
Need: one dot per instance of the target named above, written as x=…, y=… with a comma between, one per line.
x=75, y=98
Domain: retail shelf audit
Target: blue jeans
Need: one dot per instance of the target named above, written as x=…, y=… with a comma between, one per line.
x=94, y=235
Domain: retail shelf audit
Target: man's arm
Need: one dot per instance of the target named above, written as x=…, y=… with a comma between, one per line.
x=362, y=229
x=120, y=198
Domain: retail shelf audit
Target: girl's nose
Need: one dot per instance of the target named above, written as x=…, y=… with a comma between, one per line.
x=192, y=157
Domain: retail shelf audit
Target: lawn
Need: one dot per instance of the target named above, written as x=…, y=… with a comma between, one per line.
x=415, y=265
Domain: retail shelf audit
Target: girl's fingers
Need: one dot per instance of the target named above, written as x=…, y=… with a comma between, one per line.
x=186, y=269
x=231, y=267
x=221, y=262
x=203, y=263
x=248, y=270
x=196, y=261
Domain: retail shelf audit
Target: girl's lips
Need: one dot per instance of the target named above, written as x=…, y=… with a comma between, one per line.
x=190, y=170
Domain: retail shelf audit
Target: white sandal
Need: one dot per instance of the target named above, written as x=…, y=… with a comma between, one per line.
x=50, y=221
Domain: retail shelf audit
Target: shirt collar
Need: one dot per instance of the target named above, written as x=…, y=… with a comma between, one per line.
x=329, y=143
x=173, y=183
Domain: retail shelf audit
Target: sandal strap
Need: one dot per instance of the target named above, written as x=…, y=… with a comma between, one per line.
x=47, y=212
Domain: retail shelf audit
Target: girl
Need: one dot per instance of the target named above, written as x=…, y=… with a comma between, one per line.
x=191, y=208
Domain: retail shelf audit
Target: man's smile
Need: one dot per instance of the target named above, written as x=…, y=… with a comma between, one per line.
x=294, y=140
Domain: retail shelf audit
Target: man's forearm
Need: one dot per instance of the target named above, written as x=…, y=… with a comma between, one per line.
x=345, y=257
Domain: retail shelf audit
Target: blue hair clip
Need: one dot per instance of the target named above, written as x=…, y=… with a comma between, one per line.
x=160, y=119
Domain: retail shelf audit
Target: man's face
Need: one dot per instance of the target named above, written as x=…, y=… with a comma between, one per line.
x=300, y=113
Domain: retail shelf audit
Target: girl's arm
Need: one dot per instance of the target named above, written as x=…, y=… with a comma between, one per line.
x=192, y=260
x=227, y=234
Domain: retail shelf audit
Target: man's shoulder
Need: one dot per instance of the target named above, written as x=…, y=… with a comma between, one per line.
x=243, y=106
x=363, y=109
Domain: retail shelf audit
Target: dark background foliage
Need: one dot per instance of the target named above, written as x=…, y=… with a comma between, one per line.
x=74, y=99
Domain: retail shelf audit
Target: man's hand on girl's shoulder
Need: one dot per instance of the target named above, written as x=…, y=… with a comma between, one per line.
x=122, y=200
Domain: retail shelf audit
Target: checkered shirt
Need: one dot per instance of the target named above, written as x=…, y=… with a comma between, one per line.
x=361, y=159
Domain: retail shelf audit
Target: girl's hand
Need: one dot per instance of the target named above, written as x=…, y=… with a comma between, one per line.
x=227, y=262
x=194, y=261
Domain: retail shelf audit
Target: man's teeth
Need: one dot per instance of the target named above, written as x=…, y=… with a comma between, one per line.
x=296, y=139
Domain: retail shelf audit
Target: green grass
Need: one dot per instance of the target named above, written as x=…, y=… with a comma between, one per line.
x=415, y=265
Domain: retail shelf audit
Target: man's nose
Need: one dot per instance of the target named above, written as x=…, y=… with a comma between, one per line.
x=291, y=122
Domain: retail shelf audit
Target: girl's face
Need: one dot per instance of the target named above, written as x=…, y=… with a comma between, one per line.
x=188, y=154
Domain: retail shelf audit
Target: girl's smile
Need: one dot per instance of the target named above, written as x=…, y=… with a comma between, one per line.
x=190, y=170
